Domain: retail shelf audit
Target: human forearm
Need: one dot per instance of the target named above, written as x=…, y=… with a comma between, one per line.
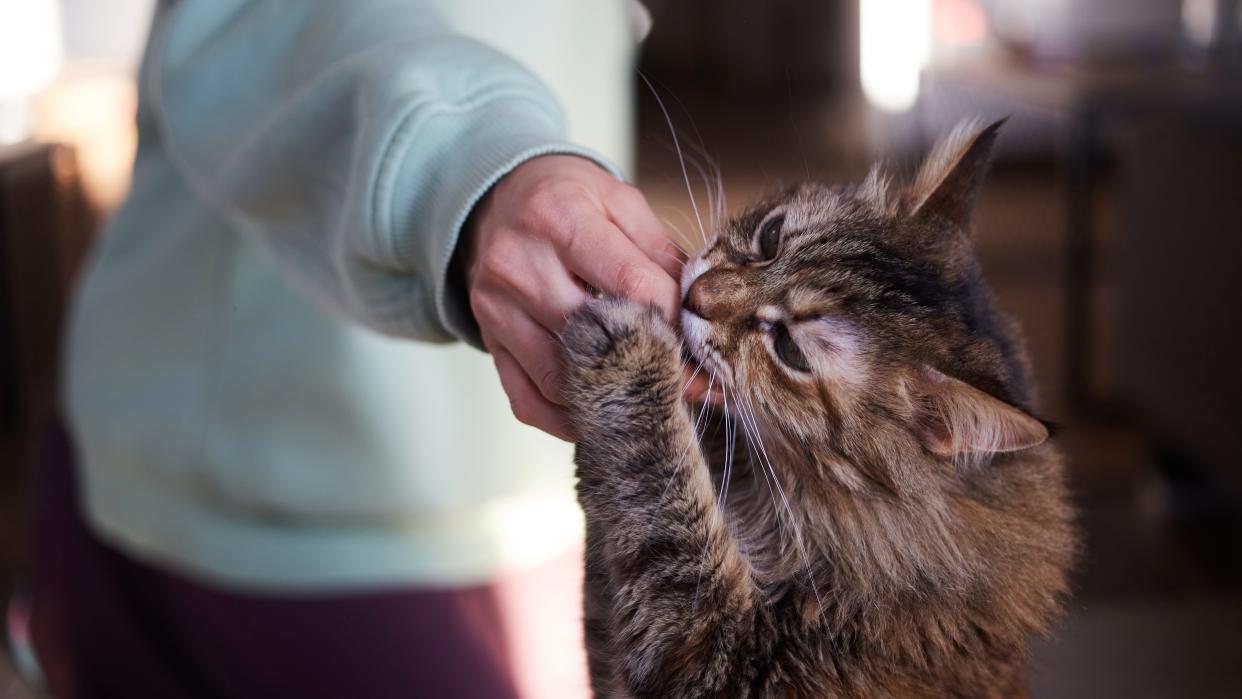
x=351, y=138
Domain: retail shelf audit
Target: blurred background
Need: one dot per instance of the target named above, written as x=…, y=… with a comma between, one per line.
x=1110, y=226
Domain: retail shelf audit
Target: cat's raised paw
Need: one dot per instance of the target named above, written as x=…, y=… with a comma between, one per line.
x=616, y=329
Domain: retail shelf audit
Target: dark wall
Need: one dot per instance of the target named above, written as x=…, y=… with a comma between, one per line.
x=735, y=47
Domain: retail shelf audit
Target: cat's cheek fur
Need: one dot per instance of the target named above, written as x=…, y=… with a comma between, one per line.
x=836, y=349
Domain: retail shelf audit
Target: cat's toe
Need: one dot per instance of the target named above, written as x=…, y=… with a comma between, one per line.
x=611, y=327
x=587, y=333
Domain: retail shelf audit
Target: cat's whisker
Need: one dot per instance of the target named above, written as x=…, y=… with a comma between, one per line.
x=716, y=202
x=721, y=205
x=730, y=432
x=709, y=172
x=685, y=217
x=672, y=256
x=680, y=156
x=797, y=529
x=713, y=219
x=693, y=375
x=755, y=458
x=699, y=145
x=711, y=185
x=730, y=455
x=700, y=423
x=683, y=244
x=708, y=164
x=726, y=472
x=687, y=244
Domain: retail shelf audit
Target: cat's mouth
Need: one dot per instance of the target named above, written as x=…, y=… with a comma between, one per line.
x=697, y=348
x=694, y=328
x=694, y=332
x=694, y=336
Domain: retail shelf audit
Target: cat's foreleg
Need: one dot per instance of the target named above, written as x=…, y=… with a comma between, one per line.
x=684, y=604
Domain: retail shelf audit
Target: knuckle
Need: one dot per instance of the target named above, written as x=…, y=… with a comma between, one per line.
x=559, y=213
x=548, y=381
x=633, y=282
x=490, y=312
x=544, y=209
x=534, y=217
x=667, y=288
x=500, y=262
x=481, y=303
x=629, y=197
x=521, y=411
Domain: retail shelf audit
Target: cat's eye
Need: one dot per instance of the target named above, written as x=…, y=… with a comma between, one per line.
x=769, y=240
x=787, y=350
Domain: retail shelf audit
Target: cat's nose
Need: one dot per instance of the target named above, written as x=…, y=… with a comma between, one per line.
x=718, y=294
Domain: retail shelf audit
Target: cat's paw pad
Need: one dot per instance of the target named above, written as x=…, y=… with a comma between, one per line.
x=617, y=329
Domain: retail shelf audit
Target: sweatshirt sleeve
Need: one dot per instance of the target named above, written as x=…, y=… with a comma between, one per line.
x=352, y=138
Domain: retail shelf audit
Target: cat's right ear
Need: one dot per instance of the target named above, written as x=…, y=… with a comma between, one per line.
x=952, y=418
x=952, y=175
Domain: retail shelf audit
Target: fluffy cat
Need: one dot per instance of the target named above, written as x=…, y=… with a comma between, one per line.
x=890, y=519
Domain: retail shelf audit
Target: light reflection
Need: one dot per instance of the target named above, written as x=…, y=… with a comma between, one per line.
x=894, y=48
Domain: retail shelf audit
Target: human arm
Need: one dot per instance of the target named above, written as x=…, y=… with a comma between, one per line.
x=350, y=139
x=550, y=229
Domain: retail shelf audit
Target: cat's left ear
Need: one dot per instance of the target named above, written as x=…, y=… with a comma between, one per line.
x=953, y=173
x=953, y=418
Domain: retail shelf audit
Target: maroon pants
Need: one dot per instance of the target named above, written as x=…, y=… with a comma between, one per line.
x=105, y=625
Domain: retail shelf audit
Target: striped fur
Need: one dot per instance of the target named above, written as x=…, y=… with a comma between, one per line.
x=896, y=524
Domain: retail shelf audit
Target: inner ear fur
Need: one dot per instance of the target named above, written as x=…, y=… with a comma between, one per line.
x=953, y=418
x=951, y=176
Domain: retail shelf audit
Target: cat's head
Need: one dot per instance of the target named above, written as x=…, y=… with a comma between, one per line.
x=854, y=324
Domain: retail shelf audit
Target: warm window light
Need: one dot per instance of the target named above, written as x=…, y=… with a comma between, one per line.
x=1199, y=20
x=30, y=53
x=894, y=48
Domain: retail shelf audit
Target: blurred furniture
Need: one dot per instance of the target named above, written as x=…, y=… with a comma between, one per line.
x=1081, y=109
x=1179, y=315
x=750, y=50
x=45, y=223
x=1171, y=140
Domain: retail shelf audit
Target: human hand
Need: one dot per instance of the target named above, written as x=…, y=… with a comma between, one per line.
x=547, y=231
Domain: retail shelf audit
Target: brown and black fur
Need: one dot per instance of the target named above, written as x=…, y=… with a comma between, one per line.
x=896, y=524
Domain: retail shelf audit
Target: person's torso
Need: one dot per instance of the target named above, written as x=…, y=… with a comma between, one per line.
x=196, y=366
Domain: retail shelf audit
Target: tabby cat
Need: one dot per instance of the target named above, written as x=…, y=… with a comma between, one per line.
x=881, y=516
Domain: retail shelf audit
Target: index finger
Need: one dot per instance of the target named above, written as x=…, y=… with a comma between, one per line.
x=629, y=210
x=604, y=257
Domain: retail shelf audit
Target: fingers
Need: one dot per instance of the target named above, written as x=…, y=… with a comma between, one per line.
x=525, y=340
x=629, y=211
x=527, y=404
x=549, y=227
x=547, y=291
x=604, y=257
x=530, y=276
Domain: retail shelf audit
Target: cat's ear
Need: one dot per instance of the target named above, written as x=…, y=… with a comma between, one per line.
x=953, y=173
x=953, y=418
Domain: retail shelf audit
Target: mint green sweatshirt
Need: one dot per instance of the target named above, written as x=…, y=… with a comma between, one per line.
x=257, y=377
